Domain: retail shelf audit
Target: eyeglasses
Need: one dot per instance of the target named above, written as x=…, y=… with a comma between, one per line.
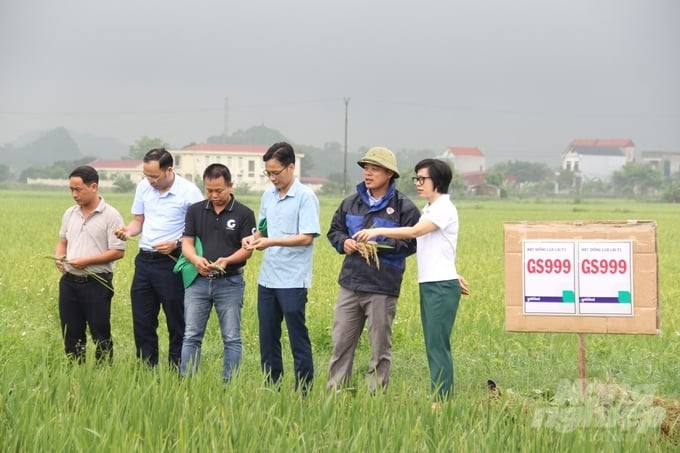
x=274, y=173
x=419, y=180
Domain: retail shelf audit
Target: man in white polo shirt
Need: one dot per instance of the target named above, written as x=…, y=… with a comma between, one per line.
x=159, y=208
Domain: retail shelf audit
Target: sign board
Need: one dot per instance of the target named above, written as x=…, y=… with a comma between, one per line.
x=585, y=277
x=549, y=277
x=577, y=277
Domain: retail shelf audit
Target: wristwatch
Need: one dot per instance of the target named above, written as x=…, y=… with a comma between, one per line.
x=178, y=243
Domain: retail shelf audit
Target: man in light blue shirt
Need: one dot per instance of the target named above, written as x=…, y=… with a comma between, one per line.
x=289, y=222
x=159, y=209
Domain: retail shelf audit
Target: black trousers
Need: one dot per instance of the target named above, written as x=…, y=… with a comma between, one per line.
x=154, y=286
x=83, y=302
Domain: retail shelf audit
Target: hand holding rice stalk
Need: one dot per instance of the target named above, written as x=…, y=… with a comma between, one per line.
x=214, y=265
x=369, y=251
x=99, y=279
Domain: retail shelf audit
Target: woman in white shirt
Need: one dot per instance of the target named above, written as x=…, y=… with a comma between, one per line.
x=439, y=283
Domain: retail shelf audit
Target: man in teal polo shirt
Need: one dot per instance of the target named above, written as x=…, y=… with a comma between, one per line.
x=291, y=213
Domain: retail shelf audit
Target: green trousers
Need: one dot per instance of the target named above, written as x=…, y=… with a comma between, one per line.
x=438, y=307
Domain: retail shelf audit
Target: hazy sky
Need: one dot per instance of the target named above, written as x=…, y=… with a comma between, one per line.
x=519, y=79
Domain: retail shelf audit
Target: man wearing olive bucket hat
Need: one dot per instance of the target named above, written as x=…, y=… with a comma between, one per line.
x=369, y=283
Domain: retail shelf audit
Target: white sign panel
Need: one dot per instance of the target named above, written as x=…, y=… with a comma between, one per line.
x=578, y=277
x=549, y=282
x=605, y=278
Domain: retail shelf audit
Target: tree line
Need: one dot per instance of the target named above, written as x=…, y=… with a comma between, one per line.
x=515, y=179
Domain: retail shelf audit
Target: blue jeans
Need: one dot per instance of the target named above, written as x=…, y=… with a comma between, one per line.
x=273, y=305
x=226, y=295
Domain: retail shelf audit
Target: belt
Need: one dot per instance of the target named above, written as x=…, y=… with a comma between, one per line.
x=88, y=278
x=157, y=255
x=229, y=273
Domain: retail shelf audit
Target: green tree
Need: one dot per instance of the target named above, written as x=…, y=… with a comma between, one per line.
x=671, y=192
x=58, y=170
x=595, y=187
x=5, y=173
x=143, y=144
x=495, y=178
x=457, y=183
x=636, y=179
x=405, y=184
x=122, y=184
x=565, y=179
x=331, y=188
x=521, y=171
x=308, y=161
x=336, y=177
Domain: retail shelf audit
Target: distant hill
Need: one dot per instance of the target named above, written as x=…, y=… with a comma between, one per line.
x=45, y=148
x=52, y=146
x=101, y=147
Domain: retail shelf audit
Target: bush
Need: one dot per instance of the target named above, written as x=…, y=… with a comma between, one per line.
x=124, y=185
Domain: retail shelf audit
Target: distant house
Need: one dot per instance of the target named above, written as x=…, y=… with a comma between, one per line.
x=112, y=169
x=469, y=163
x=109, y=171
x=314, y=182
x=244, y=162
x=665, y=162
x=597, y=158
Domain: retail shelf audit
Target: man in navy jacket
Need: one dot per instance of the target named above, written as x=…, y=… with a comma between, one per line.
x=369, y=292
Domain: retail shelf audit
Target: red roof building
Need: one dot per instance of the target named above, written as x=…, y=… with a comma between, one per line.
x=468, y=162
x=598, y=158
x=244, y=161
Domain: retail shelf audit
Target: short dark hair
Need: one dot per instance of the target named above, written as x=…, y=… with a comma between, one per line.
x=217, y=171
x=161, y=155
x=88, y=174
x=281, y=151
x=440, y=173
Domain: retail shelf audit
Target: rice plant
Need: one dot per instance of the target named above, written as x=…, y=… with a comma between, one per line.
x=50, y=404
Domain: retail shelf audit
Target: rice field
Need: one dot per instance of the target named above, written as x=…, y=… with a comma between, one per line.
x=49, y=404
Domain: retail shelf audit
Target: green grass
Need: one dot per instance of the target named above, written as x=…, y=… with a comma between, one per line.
x=47, y=404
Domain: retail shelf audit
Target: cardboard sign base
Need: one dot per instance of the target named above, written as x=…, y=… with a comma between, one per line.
x=642, y=234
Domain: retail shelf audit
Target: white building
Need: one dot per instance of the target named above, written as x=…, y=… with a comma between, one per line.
x=597, y=158
x=465, y=159
x=665, y=162
x=468, y=162
x=109, y=171
x=244, y=161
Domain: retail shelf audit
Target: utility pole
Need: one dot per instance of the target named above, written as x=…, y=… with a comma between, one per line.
x=344, y=179
x=226, y=117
